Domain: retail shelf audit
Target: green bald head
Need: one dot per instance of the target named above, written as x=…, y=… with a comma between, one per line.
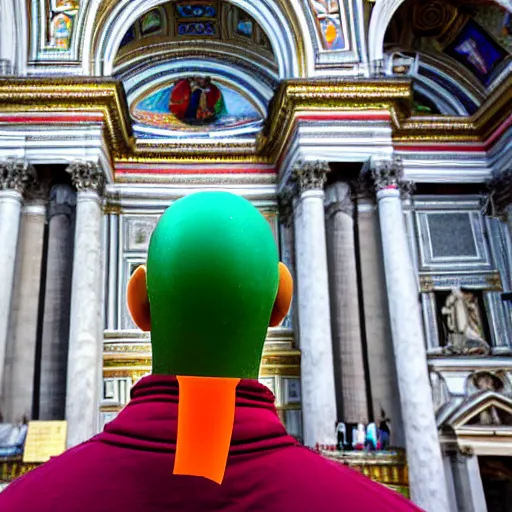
x=212, y=278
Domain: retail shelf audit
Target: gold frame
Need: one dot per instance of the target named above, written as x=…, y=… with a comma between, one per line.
x=294, y=97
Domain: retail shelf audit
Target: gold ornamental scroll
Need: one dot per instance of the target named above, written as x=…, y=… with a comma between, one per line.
x=45, y=439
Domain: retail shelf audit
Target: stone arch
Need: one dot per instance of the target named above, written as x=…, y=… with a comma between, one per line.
x=382, y=14
x=106, y=26
x=445, y=82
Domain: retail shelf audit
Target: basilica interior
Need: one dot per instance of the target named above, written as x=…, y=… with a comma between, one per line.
x=373, y=135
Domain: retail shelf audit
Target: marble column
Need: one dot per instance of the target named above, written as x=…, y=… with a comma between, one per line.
x=468, y=484
x=426, y=471
x=15, y=176
x=287, y=244
x=86, y=327
x=349, y=366
x=22, y=338
x=54, y=353
x=317, y=377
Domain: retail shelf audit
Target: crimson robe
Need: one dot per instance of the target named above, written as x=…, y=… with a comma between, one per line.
x=129, y=467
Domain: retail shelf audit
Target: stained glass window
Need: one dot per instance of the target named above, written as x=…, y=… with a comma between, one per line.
x=151, y=22
x=329, y=23
x=196, y=11
x=196, y=29
x=196, y=19
x=129, y=36
x=245, y=27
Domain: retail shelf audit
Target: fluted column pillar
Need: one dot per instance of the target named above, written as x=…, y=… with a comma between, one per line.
x=426, y=471
x=317, y=377
x=349, y=368
x=22, y=338
x=14, y=178
x=86, y=327
x=54, y=353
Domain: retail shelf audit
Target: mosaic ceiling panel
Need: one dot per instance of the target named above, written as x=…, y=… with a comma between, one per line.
x=196, y=103
x=474, y=33
x=198, y=20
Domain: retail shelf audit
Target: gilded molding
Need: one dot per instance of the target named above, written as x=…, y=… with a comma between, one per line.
x=73, y=95
x=294, y=97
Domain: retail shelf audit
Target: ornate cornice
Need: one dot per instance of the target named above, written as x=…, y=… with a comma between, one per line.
x=17, y=175
x=310, y=175
x=389, y=174
x=296, y=97
x=87, y=176
x=73, y=95
x=96, y=100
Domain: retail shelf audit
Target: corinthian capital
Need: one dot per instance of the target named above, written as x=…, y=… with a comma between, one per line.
x=17, y=175
x=389, y=174
x=87, y=176
x=310, y=175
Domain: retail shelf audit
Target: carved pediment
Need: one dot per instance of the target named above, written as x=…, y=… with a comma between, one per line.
x=486, y=409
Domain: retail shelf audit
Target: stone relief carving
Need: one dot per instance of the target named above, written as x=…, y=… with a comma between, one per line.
x=139, y=232
x=463, y=325
x=87, y=176
x=17, y=175
x=310, y=175
x=485, y=381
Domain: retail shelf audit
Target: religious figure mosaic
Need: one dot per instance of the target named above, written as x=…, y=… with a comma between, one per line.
x=477, y=51
x=62, y=18
x=196, y=102
x=151, y=22
x=328, y=17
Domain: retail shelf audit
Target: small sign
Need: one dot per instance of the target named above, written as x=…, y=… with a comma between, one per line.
x=45, y=439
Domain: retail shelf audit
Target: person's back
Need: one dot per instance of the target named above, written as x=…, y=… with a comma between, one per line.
x=201, y=434
x=129, y=467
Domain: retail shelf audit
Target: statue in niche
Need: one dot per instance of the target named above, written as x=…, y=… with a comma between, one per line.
x=463, y=325
x=485, y=381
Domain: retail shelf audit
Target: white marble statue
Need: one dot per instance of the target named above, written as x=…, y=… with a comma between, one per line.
x=463, y=324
